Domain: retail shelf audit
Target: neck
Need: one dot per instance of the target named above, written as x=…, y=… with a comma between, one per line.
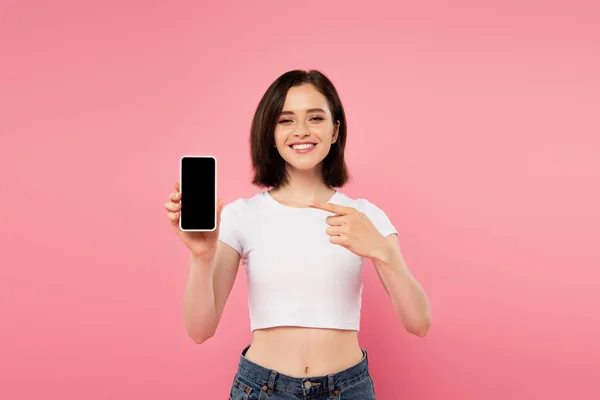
x=302, y=187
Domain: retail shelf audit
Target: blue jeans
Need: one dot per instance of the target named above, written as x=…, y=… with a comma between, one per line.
x=254, y=382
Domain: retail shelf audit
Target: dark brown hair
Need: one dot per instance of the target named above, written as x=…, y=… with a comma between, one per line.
x=269, y=167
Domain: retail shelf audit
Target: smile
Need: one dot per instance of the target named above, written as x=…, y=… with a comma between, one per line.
x=303, y=148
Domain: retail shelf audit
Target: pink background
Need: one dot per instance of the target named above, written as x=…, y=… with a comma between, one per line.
x=474, y=125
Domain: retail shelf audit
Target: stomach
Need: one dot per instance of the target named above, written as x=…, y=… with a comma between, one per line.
x=303, y=352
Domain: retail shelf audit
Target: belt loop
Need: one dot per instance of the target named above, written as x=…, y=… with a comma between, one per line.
x=331, y=386
x=271, y=385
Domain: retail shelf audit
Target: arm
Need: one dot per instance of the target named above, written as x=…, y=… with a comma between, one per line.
x=355, y=231
x=408, y=298
x=209, y=284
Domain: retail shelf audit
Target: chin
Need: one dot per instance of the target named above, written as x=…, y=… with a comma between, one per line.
x=303, y=162
x=304, y=167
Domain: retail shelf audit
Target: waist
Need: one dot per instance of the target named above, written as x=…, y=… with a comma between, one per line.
x=272, y=380
x=303, y=352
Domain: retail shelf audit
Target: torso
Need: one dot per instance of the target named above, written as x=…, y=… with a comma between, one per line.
x=304, y=292
x=303, y=352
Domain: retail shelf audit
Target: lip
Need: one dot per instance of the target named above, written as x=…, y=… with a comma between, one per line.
x=302, y=151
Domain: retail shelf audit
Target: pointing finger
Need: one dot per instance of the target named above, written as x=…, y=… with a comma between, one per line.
x=334, y=208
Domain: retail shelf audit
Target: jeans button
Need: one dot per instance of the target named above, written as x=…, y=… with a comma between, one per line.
x=307, y=385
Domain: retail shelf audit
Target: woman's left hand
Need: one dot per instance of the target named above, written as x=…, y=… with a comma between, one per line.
x=352, y=229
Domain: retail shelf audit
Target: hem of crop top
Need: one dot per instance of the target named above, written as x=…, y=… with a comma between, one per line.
x=313, y=320
x=296, y=324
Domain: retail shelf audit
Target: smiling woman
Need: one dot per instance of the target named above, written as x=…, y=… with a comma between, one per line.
x=299, y=108
x=305, y=130
x=314, y=116
x=304, y=305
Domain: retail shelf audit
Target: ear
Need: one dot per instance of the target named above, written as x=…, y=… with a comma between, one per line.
x=336, y=132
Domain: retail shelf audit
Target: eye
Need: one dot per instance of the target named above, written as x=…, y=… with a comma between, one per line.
x=285, y=121
x=317, y=119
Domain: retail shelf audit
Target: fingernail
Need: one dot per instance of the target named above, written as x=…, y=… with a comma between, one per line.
x=311, y=203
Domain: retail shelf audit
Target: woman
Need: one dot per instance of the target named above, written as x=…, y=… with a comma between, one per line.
x=302, y=243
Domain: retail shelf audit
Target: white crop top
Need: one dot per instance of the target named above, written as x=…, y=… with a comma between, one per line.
x=295, y=275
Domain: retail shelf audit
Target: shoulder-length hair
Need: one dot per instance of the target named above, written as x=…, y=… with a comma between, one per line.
x=268, y=165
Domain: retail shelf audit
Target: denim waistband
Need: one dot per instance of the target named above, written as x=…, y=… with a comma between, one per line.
x=271, y=380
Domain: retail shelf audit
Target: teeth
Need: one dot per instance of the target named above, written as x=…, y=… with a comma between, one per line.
x=302, y=146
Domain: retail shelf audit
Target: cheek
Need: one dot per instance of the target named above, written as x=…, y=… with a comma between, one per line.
x=280, y=137
x=320, y=129
x=324, y=132
x=284, y=129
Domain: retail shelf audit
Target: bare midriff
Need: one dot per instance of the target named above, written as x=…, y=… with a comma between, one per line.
x=304, y=352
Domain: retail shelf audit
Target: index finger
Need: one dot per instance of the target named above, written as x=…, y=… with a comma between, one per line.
x=334, y=208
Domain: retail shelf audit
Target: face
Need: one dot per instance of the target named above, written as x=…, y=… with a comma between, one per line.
x=305, y=130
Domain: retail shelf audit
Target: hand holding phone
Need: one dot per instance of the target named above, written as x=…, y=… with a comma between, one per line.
x=193, y=208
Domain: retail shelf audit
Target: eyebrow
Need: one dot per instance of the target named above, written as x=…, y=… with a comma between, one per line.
x=309, y=110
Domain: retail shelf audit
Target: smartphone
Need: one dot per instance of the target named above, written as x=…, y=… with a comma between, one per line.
x=198, y=188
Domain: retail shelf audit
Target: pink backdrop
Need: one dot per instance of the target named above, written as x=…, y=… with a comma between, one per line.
x=475, y=126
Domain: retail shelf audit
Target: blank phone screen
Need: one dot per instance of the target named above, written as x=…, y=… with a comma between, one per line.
x=198, y=191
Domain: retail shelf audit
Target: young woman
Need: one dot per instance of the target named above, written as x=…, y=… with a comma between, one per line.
x=302, y=243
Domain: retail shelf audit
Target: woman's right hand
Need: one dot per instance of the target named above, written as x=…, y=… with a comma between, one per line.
x=201, y=244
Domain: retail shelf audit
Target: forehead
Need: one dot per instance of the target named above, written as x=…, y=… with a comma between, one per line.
x=304, y=97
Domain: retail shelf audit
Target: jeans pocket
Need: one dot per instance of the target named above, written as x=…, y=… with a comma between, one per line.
x=239, y=390
x=361, y=390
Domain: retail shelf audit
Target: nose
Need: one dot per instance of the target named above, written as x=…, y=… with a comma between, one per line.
x=301, y=130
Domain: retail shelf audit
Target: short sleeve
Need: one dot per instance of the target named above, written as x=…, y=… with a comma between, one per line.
x=380, y=219
x=230, y=227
